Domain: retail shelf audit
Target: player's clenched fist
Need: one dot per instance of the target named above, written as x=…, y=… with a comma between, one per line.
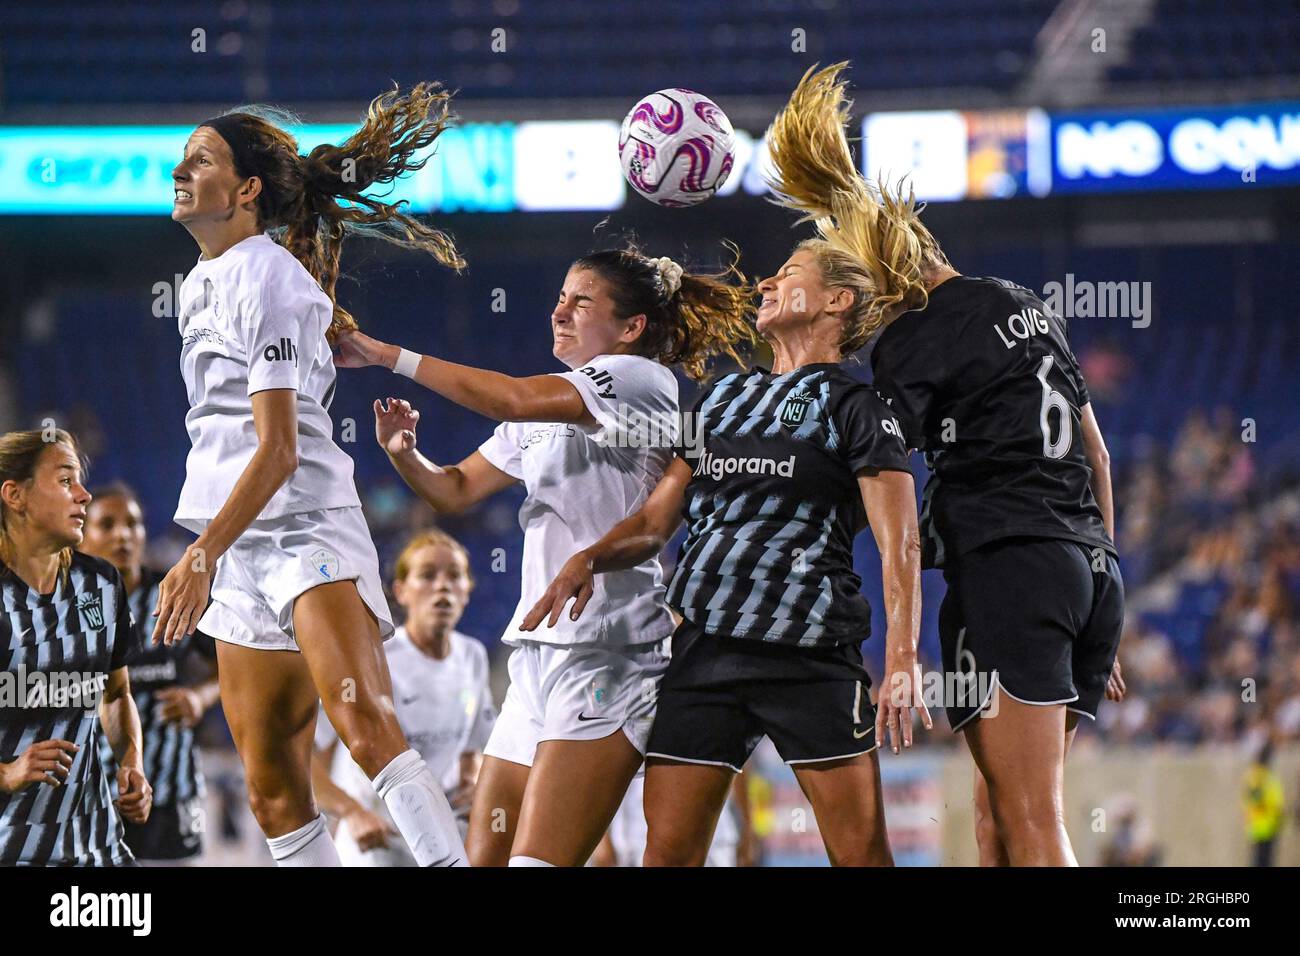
x=135, y=795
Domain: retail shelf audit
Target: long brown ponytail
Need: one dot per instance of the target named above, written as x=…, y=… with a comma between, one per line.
x=876, y=226
x=313, y=201
x=707, y=315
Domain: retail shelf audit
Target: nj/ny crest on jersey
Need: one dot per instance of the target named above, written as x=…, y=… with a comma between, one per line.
x=795, y=409
x=91, y=609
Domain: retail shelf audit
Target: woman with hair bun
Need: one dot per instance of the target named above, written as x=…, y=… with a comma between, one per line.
x=297, y=605
x=573, y=728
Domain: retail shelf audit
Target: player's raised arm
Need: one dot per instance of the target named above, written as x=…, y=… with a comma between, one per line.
x=505, y=398
x=637, y=538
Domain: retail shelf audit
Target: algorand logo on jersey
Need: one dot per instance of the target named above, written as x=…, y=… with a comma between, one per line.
x=31, y=689
x=715, y=466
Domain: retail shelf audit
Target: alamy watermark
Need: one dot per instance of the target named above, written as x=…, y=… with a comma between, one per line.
x=32, y=689
x=1102, y=300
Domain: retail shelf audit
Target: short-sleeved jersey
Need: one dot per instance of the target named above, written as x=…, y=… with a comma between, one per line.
x=444, y=707
x=581, y=481
x=984, y=382
x=774, y=504
x=171, y=759
x=254, y=319
x=56, y=652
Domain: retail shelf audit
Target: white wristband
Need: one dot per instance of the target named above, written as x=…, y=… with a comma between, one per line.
x=407, y=363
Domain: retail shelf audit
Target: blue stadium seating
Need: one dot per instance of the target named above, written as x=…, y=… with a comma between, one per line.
x=73, y=52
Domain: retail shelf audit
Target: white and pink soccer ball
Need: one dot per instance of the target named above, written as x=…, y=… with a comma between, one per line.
x=677, y=148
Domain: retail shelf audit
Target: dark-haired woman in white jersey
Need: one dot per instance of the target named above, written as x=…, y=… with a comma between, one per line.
x=298, y=609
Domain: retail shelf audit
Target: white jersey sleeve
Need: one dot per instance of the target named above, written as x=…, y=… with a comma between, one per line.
x=276, y=335
x=627, y=394
x=502, y=450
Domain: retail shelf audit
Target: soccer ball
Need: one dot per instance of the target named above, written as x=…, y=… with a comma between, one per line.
x=676, y=147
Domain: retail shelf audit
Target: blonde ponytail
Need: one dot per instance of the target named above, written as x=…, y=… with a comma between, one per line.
x=876, y=226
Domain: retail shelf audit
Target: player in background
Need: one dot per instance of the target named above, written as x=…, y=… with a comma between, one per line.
x=787, y=466
x=173, y=687
x=297, y=603
x=588, y=445
x=440, y=689
x=1018, y=511
x=66, y=637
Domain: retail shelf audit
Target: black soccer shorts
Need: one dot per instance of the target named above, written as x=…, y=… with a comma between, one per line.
x=721, y=695
x=168, y=834
x=1041, y=617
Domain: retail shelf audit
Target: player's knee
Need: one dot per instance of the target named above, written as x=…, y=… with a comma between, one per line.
x=988, y=838
x=487, y=848
x=280, y=810
x=674, y=849
x=372, y=740
x=1028, y=819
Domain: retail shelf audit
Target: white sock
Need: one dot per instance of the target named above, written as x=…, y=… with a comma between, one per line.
x=421, y=811
x=528, y=861
x=309, y=845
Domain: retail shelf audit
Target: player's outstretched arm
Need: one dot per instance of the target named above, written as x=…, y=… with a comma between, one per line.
x=1094, y=449
x=447, y=490
x=636, y=538
x=504, y=398
x=890, y=501
x=121, y=723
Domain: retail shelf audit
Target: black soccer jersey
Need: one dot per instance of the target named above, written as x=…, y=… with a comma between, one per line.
x=984, y=382
x=171, y=762
x=774, y=505
x=56, y=651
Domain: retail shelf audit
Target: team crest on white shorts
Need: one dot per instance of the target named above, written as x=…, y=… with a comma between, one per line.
x=325, y=563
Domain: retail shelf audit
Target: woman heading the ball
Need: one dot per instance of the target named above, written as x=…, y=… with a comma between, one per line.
x=588, y=444
x=786, y=468
x=1018, y=509
x=297, y=605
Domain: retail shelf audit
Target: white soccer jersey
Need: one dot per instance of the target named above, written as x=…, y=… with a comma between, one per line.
x=253, y=319
x=583, y=481
x=443, y=706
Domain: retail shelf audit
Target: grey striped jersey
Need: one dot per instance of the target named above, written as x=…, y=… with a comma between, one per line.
x=171, y=760
x=773, y=505
x=56, y=651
